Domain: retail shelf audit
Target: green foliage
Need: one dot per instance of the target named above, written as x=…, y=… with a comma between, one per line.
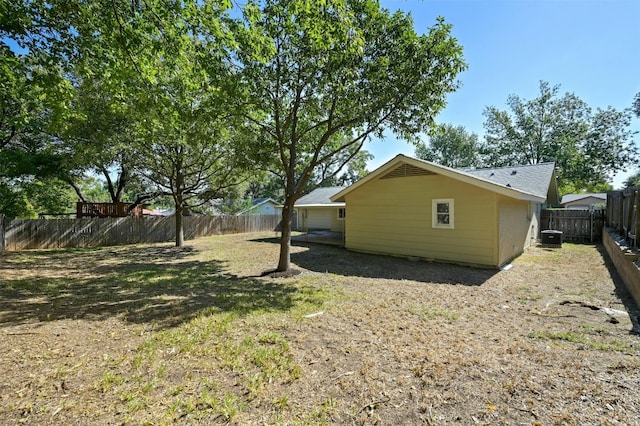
x=451, y=146
x=33, y=100
x=101, y=137
x=431, y=312
x=234, y=205
x=265, y=184
x=587, y=146
x=341, y=170
x=585, y=187
x=633, y=180
x=636, y=105
x=27, y=198
x=573, y=337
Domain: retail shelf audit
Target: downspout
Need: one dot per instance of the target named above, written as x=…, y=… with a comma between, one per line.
x=496, y=234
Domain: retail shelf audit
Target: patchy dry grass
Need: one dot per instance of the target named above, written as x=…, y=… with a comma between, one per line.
x=157, y=335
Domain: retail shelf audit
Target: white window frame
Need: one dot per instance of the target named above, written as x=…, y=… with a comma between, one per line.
x=344, y=214
x=434, y=213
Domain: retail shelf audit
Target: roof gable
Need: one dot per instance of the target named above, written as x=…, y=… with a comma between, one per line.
x=257, y=202
x=265, y=200
x=571, y=198
x=532, y=183
x=405, y=170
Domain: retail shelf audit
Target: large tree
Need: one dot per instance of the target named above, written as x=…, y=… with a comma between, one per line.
x=451, y=146
x=323, y=77
x=587, y=146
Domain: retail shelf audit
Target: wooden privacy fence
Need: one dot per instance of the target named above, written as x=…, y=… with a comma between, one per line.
x=20, y=234
x=576, y=225
x=622, y=212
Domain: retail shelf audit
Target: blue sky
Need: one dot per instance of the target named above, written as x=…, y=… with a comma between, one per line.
x=588, y=47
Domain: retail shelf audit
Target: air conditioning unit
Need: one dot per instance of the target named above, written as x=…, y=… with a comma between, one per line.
x=551, y=238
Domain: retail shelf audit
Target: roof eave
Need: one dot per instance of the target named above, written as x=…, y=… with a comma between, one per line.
x=334, y=204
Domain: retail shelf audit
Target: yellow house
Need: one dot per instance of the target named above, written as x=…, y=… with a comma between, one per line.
x=414, y=208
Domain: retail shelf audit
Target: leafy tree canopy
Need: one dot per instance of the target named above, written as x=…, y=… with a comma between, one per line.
x=587, y=146
x=451, y=146
x=27, y=198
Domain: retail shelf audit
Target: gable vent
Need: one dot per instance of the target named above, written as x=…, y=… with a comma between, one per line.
x=406, y=170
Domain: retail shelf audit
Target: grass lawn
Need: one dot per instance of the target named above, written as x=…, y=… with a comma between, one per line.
x=152, y=334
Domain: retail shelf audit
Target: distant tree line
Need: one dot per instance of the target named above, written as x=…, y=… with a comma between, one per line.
x=587, y=146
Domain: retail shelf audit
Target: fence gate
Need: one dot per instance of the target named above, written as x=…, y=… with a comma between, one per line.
x=576, y=225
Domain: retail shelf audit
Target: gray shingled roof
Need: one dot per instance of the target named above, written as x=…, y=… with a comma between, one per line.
x=320, y=196
x=534, y=178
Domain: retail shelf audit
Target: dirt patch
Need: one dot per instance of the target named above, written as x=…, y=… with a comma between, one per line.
x=140, y=334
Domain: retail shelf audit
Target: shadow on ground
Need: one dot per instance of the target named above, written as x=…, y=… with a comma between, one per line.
x=620, y=288
x=335, y=260
x=160, y=285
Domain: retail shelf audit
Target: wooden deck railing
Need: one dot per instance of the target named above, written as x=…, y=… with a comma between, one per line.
x=107, y=210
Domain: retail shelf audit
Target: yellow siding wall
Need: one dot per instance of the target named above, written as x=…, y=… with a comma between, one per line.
x=515, y=218
x=321, y=218
x=393, y=216
x=336, y=224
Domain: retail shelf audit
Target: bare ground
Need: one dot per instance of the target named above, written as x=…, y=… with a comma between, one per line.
x=154, y=335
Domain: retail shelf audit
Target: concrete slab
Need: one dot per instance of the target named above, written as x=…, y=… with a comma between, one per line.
x=321, y=237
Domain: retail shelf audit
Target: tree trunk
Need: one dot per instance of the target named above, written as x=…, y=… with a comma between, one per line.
x=179, y=227
x=284, y=263
x=77, y=190
x=110, y=187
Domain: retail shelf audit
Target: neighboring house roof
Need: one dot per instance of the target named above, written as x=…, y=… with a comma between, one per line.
x=320, y=197
x=531, y=183
x=572, y=198
x=149, y=212
x=257, y=202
